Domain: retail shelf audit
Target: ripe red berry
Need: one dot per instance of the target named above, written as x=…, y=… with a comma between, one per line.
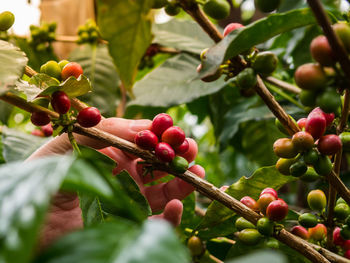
x=47, y=130
x=38, y=133
x=346, y=244
x=71, y=69
x=160, y=123
x=315, y=124
x=89, y=117
x=146, y=140
x=174, y=136
x=329, y=144
x=328, y=116
x=250, y=202
x=321, y=51
x=300, y=232
x=269, y=191
x=347, y=254
x=40, y=118
x=231, y=27
x=183, y=148
x=60, y=102
x=164, y=152
x=337, y=238
x=264, y=200
x=301, y=123
x=318, y=232
x=277, y=210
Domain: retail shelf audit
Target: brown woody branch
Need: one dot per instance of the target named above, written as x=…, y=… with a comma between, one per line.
x=283, y=85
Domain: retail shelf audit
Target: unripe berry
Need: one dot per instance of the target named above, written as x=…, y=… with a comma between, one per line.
x=341, y=211
x=329, y=144
x=337, y=239
x=249, y=236
x=308, y=97
x=231, y=27
x=160, y=123
x=317, y=200
x=183, y=148
x=62, y=63
x=60, y=102
x=217, y=9
x=71, y=69
x=310, y=175
x=303, y=141
x=318, y=232
x=89, y=117
x=164, y=152
x=52, y=69
x=267, y=6
x=265, y=226
x=47, y=130
x=323, y=166
x=315, y=125
x=345, y=232
x=6, y=20
x=40, y=118
x=300, y=232
x=329, y=100
x=146, y=140
x=321, y=51
x=299, y=168
x=246, y=79
x=284, y=148
x=311, y=157
x=242, y=223
x=345, y=139
x=269, y=190
x=265, y=63
x=342, y=30
x=179, y=164
x=310, y=77
x=307, y=220
x=283, y=165
x=250, y=202
x=195, y=245
x=277, y=210
x=174, y=136
x=264, y=200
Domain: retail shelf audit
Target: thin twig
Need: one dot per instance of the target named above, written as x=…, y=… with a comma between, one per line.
x=122, y=104
x=283, y=85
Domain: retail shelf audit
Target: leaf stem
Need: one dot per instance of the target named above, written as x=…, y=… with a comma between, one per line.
x=283, y=85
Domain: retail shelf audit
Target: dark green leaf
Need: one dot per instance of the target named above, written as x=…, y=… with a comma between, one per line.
x=91, y=209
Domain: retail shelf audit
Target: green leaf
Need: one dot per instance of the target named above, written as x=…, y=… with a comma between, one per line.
x=25, y=193
x=258, y=32
x=173, y=83
x=185, y=35
x=99, y=68
x=18, y=145
x=119, y=242
x=126, y=25
x=12, y=63
x=268, y=256
x=91, y=209
x=252, y=186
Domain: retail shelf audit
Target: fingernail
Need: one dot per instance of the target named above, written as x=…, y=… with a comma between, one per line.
x=139, y=125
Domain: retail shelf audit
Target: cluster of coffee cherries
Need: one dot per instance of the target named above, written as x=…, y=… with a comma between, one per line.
x=88, y=33
x=272, y=208
x=41, y=37
x=6, y=21
x=306, y=154
x=167, y=141
x=59, y=100
x=319, y=81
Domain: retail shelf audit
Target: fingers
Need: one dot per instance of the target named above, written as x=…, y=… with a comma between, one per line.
x=159, y=195
x=172, y=212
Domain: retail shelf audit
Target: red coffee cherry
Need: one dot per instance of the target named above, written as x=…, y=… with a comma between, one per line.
x=60, y=102
x=146, y=140
x=321, y=51
x=47, y=130
x=347, y=254
x=303, y=141
x=164, y=152
x=329, y=144
x=174, y=136
x=38, y=133
x=250, y=202
x=231, y=27
x=160, y=123
x=284, y=148
x=318, y=232
x=277, y=210
x=300, y=232
x=329, y=118
x=310, y=77
x=337, y=239
x=301, y=123
x=71, y=69
x=264, y=200
x=40, y=118
x=315, y=125
x=89, y=117
x=183, y=148
x=269, y=191
x=346, y=245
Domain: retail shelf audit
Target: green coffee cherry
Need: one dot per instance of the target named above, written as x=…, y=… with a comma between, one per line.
x=317, y=200
x=246, y=79
x=195, y=245
x=341, y=211
x=249, y=236
x=6, y=20
x=283, y=165
x=340, y=201
x=307, y=220
x=272, y=243
x=310, y=175
x=52, y=69
x=308, y=98
x=345, y=139
x=323, y=166
x=265, y=63
x=217, y=9
x=62, y=63
x=159, y=3
x=345, y=232
x=311, y=157
x=265, y=226
x=172, y=8
x=329, y=101
x=298, y=169
x=179, y=164
x=242, y=223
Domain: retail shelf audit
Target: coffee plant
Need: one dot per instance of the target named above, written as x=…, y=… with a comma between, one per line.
x=261, y=104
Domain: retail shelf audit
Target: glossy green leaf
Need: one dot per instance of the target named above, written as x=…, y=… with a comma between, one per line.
x=119, y=242
x=173, y=83
x=91, y=209
x=25, y=193
x=185, y=35
x=99, y=68
x=12, y=63
x=126, y=25
x=252, y=186
x=258, y=32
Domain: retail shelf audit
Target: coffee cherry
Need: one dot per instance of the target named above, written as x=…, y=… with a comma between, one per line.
x=303, y=141
x=315, y=125
x=172, y=8
x=329, y=118
x=310, y=77
x=284, y=148
x=159, y=4
x=302, y=123
x=71, y=69
x=308, y=97
x=321, y=51
x=264, y=200
x=242, y=223
x=345, y=232
x=318, y=232
x=346, y=245
x=272, y=243
x=38, y=133
x=60, y=102
x=300, y=232
x=89, y=117
x=6, y=20
x=62, y=63
x=311, y=157
x=337, y=239
x=323, y=166
x=329, y=144
x=317, y=200
x=283, y=165
x=265, y=226
x=340, y=201
x=277, y=210
x=179, y=164
x=174, y=136
x=329, y=100
x=269, y=190
x=345, y=139
x=217, y=9
x=40, y=118
x=246, y=79
x=47, y=130
x=347, y=254
x=250, y=202
x=342, y=30
x=160, y=123
x=249, y=236
x=146, y=140
x=298, y=169
x=183, y=148
x=267, y=6
x=341, y=211
x=164, y=152
x=310, y=175
x=265, y=63
x=308, y=220
x=52, y=69
x=195, y=245
x=231, y=27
